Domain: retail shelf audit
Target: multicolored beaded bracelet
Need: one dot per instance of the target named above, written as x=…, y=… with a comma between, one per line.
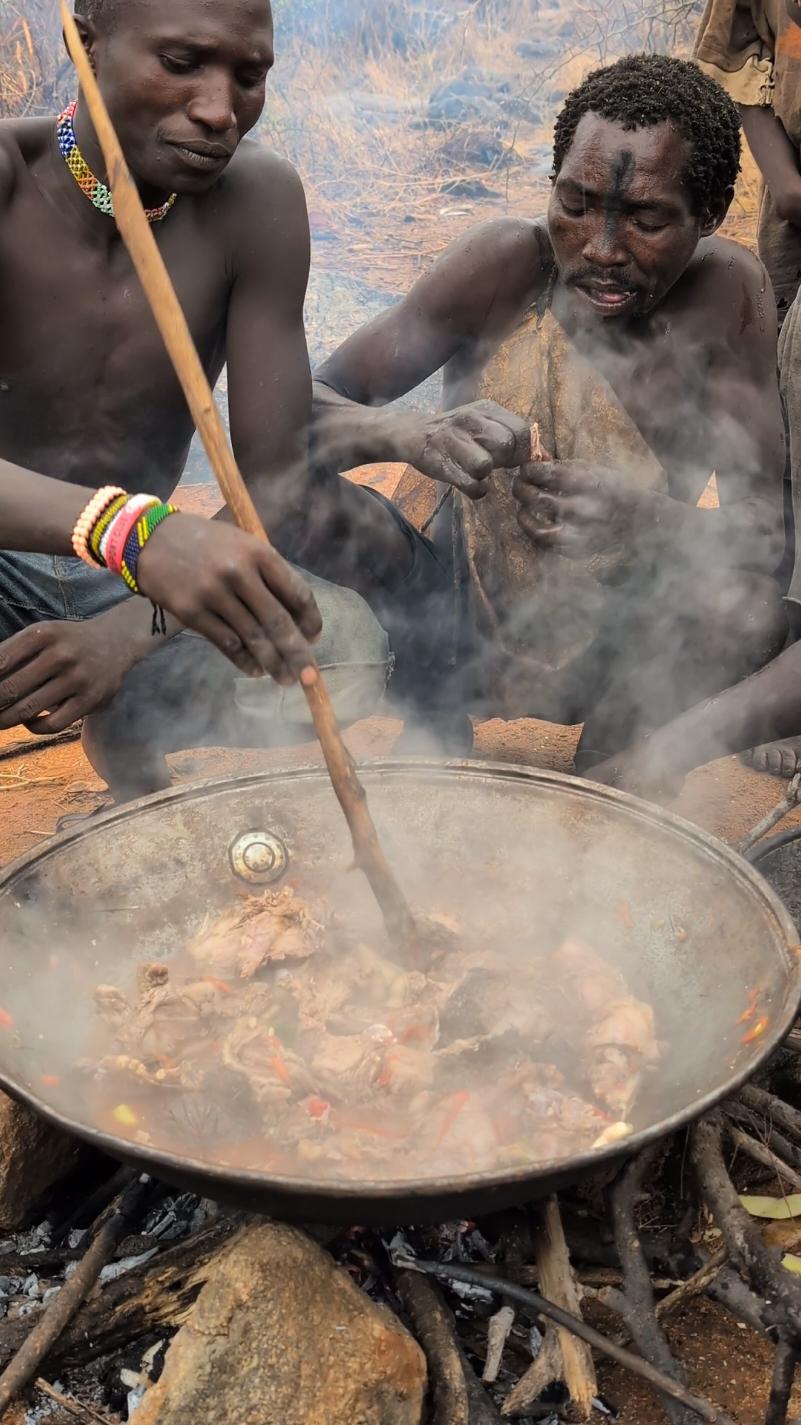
x=88, y=518
x=145, y=526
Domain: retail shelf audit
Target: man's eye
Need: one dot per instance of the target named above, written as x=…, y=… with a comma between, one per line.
x=251, y=79
x=177, y=66
x=574, y=210
x=647, y=225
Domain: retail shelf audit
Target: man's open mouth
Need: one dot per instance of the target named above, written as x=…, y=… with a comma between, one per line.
x=607, y=296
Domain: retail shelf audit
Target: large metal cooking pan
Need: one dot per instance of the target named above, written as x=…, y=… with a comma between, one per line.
x=696, y=930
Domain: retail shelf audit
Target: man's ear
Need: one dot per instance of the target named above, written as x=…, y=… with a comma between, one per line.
x=88, y=35
x=715, y=215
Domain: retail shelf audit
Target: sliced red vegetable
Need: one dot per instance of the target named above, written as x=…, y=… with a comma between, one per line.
x=280, y=1070
x=753, y=1000
x=757, y=1031
x=218, y=985
x=6, y=1019
x=50, y=1081
x=317, y=1107
x=415, y=1034
x=623, y=913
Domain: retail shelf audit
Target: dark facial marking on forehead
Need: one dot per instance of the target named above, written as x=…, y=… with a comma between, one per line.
x=621, y=177
x=622, y=173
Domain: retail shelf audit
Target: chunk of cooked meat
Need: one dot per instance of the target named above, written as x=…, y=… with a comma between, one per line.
x=275, y=1072
x=288, y=1045
x=268, y=929
x=613, y=1033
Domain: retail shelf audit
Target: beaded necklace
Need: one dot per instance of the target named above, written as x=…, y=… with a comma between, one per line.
x=96, y=192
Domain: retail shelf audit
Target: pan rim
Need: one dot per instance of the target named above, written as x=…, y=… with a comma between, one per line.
x=376, y=1192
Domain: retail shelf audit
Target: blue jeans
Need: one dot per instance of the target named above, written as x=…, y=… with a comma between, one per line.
x=187, y=694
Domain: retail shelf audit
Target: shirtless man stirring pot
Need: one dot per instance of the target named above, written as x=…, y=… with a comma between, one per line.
x=88, y=395
x=645, y=347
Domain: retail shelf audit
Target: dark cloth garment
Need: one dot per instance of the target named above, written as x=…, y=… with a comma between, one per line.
x=753, y=49
x=187, y=694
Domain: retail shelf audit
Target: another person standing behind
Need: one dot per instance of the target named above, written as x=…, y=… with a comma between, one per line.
x=753, y=49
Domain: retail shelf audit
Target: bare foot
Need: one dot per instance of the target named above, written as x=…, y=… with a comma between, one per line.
x=781, y=759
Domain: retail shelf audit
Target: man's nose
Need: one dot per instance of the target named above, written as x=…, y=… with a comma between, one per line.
x=213, y=105
x=603, y=246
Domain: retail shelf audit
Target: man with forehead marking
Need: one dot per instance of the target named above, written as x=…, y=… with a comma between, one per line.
x=88, y=396
x=595, y=586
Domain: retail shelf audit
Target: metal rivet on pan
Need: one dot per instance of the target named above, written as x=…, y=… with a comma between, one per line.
x=259, y=857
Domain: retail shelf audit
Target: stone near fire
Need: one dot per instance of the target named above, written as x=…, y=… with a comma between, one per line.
x=33, y=1156
x=282, y=1336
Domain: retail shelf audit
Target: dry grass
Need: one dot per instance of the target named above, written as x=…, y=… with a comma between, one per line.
x=348, y=104
x=32, y=67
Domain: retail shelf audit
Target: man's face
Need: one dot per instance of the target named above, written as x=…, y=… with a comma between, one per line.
x=619, y=217
x=184, y=83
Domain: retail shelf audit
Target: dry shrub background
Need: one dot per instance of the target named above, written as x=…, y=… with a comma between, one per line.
x=391, y=178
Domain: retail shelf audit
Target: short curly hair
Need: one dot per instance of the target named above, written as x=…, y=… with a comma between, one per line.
x=645, y=89
x=95, y=10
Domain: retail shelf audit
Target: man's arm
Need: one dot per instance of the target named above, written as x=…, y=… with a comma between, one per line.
x=477, y=285
x=777, y=159
x=328, y=525
x=764, y=707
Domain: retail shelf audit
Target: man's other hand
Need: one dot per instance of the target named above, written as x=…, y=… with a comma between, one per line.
x=462, y=447
x=54, y=673
x=578, y=508
x=236, y=591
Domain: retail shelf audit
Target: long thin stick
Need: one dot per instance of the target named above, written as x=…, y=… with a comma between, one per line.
x=158, y=288
x=453, y=1271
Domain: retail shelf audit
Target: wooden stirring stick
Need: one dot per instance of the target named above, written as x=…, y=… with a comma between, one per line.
x=149, y=264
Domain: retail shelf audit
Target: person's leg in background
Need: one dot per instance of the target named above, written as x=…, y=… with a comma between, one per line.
x=784, y=758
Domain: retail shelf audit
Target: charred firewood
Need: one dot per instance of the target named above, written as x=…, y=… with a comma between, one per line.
x=639, y=1308
x=760, y=1266
x=782, y=1384
x=434, y=1329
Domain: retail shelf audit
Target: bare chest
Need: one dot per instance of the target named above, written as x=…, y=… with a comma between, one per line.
x=84, y=376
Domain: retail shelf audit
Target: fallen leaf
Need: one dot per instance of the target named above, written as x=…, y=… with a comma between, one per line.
x=776, y=1208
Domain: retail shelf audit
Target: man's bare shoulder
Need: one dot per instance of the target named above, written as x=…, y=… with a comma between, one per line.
x=21, y=142
x=725, y=299
x=725, y=271
x=486, y=275
x=260, y=185
x=10, y=160
x=512, y=251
